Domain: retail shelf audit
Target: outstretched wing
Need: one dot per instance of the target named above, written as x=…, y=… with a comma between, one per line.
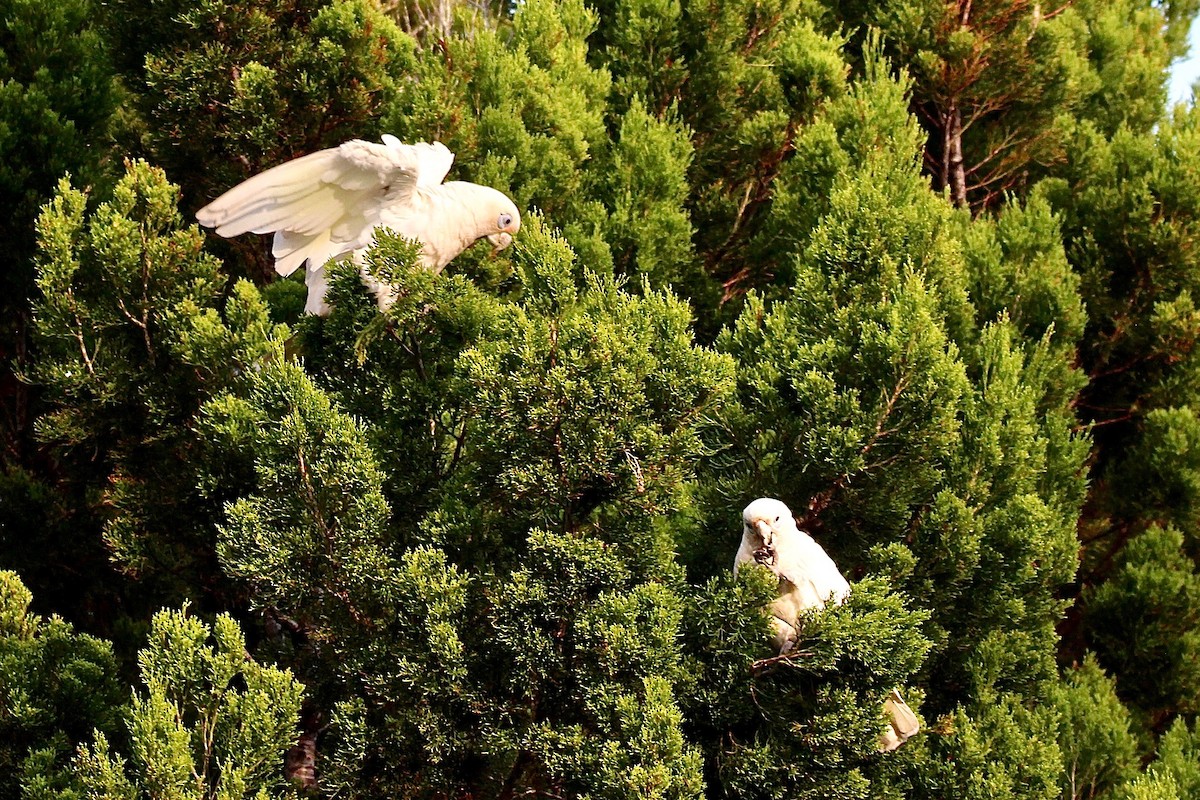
x=328, y=203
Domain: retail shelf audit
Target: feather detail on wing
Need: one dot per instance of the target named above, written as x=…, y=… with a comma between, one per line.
x=328, y=203
x=805, y=565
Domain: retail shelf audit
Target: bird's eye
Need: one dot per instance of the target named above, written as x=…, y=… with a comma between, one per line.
x=777, y=519
x=504, y=221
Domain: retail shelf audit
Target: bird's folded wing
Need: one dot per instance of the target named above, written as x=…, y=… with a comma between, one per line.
x=745, y=555
x=813, y=573
x=328, y=203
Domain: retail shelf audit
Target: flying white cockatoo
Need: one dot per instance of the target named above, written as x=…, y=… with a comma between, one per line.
x=328, y=205
x=808, y=579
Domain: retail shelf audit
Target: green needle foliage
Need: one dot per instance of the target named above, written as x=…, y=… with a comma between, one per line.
x=1143, y=618
x=56, y=688
x=223, y=90
x=1098, y=747
x=129, y=344
x=58, y=98
x=211, y=723
x=1178, y=757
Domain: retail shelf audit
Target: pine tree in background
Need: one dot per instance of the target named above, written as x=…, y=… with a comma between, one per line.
x=1145, y=621
x=1112, y=170
x=993, y=82
x=57, y=96
x=1000, y=86
x=1129, y=211
x=1178, y=756
x=745, y=78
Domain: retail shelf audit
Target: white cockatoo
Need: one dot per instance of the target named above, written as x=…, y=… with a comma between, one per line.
x=808, y=579
x=328, y=205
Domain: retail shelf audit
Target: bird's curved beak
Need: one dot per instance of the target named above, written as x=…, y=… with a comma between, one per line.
x=764, y=531
x=499, y=241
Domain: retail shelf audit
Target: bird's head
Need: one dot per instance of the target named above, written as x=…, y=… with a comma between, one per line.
x=505, y=219
x=765, y=518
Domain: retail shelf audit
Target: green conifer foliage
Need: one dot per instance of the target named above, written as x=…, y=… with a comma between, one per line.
x=993, y=82
x=129, y=344
x=997, y=747
x=524, y=111
x=745, y=78
x=1178, y=755
x=395, y=372
x=523, y=632
x=805, y=726
x=1129, y=219
x=491, y=526
x=210, y=721
x=649, y=229
x=57, y=96
x=588, y=401
x=308, y=454
x=1128, y=213
x=56, y=687
x=1130, y=45
x=1099, y=750
x=1018, y=270
x=914, y=443
x=311, y=535
x=1144, y=621
x=1151, y=785
x=868, y=117
x=999, y=86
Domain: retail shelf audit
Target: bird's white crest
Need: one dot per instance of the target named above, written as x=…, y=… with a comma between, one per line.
x=329, y=204
x=808, y=579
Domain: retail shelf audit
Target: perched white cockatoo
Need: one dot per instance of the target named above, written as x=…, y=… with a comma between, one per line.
x=808, y=579
x=328, y=204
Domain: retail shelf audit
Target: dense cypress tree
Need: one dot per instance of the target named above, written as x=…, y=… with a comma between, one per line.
x=129, y=344
x=57, y=99
x=490, y=528
x=1128, y=215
